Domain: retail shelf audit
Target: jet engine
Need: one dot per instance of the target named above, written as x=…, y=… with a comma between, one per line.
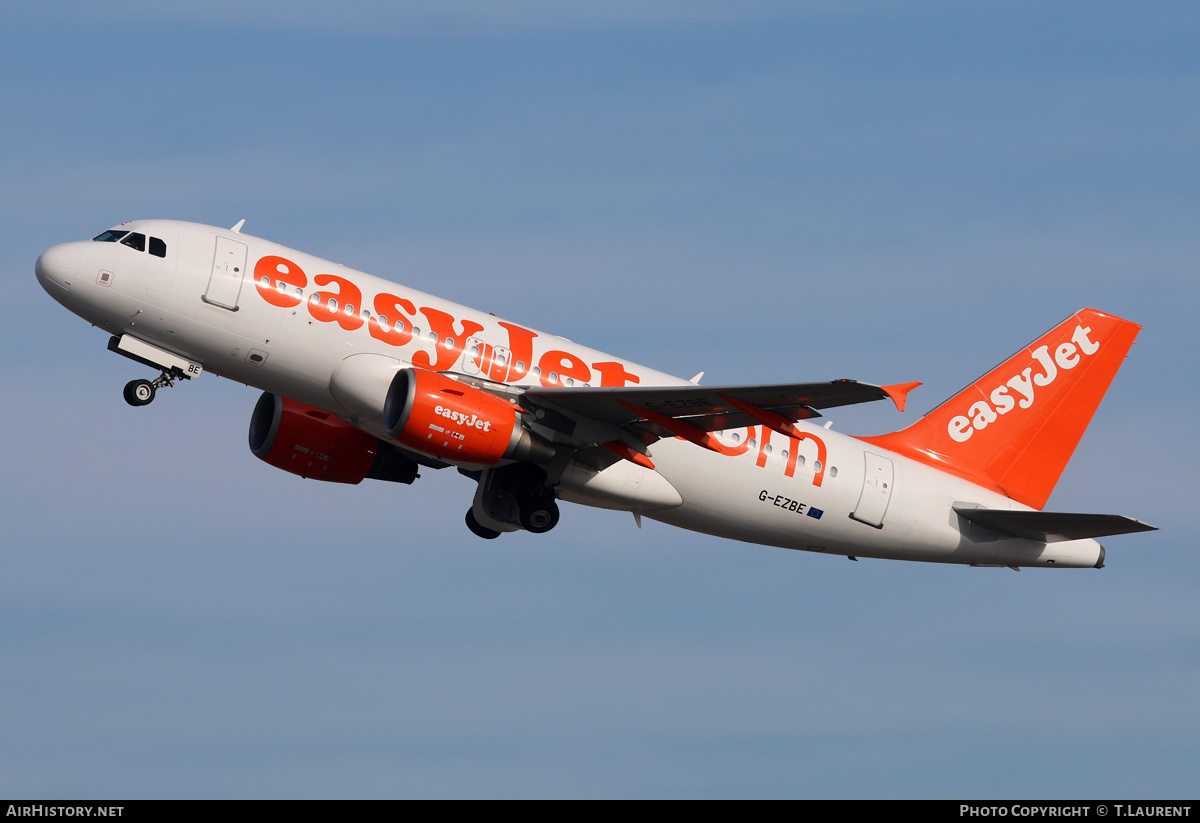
x=444, y=418
x=315, y=444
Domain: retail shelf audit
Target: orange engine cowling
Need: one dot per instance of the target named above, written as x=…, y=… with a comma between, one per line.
x=312, y=443
x=441, y=417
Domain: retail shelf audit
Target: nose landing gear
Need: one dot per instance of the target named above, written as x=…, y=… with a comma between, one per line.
x=173, y=367
x=141, y=392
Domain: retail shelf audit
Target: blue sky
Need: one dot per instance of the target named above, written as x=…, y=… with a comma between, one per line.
x=767, y=192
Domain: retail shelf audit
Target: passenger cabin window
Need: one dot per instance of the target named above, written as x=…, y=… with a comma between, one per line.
x=110, y=236
x=135, y=240
x=157, y=247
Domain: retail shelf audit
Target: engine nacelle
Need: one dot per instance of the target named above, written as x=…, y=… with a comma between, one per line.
x=441, y=417
x=312, y=443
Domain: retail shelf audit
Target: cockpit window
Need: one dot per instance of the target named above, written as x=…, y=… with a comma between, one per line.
x=110, y=236
x=135, y=240
x=157, y=247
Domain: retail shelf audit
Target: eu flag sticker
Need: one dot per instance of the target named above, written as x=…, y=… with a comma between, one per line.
x=815, y=512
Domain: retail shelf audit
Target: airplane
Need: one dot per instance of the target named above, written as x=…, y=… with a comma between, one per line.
x=364, y=378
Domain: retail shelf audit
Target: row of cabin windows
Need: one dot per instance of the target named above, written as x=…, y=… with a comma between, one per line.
x=752, y=444
x=135, y=240
x=473, y=352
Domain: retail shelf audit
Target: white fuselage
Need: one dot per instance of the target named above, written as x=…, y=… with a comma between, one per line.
x=293, y=324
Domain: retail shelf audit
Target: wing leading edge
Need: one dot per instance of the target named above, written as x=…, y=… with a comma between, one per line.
x=711, y=408
x=623, y=421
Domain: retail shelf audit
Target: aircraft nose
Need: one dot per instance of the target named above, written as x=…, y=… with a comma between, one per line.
x=57, y=267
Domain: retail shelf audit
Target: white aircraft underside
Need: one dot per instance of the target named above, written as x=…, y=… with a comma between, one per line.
x=364, y=378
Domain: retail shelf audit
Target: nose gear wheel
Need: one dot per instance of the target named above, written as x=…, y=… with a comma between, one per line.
x=141, y=392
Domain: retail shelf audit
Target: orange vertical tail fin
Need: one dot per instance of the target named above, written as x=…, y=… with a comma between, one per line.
x=1014, y=429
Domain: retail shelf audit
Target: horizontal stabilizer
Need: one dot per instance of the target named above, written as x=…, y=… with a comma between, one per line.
x=1051, y=527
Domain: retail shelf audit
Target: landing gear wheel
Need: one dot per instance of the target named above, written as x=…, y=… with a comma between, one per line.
x=473, y=525
x=539, y=515
x=139, y=392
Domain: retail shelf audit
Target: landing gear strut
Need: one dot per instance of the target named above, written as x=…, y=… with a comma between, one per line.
x=141, y=392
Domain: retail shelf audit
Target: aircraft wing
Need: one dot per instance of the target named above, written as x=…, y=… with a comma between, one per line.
x=709, y=408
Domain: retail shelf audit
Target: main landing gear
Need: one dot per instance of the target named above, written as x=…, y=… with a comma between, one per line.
x=478, y=530
x=512, y=497
x=538, y=511
x=141, y=392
